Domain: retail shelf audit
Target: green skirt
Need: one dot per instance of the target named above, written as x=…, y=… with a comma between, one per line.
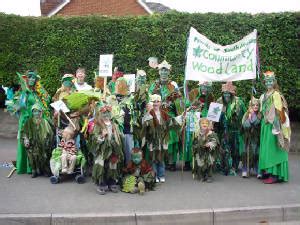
x=272, y=158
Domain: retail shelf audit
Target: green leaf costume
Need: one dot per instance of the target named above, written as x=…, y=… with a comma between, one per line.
x=272, y=158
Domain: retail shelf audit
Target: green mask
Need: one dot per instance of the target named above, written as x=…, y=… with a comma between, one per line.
x=136, y=158
x=141, y=80
x=164, y=74
x=269, y=82
x=32, y=78
x=227, y=96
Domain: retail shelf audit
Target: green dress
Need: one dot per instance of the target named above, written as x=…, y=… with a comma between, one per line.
x=26, y=101
x=272, y=158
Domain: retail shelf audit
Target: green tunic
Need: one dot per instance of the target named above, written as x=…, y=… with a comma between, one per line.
x=272, y=158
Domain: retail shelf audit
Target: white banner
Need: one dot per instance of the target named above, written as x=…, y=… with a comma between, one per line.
x=105, y=65
x=207, y=61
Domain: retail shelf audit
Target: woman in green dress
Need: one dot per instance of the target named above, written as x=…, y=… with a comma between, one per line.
x=275, y=133
x=31, y=92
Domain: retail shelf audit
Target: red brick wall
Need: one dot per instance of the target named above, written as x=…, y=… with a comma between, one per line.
x=103, y=7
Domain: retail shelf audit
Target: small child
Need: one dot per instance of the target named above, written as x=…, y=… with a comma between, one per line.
x=139, y=174
x=68, y=156
x=204, y=148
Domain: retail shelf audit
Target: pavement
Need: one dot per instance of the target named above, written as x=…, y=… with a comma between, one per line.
x=181, y=200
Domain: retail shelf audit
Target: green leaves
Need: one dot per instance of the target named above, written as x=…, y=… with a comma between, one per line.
x=57, y=45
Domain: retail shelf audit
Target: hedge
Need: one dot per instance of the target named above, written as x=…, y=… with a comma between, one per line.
x=57, y=45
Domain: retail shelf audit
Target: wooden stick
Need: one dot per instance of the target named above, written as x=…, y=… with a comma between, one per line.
x=71, y=122
x=11, y=172
x=105, y=82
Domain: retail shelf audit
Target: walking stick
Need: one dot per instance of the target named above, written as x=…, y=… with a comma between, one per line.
x=248, y=156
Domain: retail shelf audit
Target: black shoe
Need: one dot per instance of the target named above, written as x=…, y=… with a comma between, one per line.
x=34, y=175
x=187, y=166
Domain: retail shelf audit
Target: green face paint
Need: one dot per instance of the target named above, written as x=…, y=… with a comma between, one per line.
x=269, y=82
x=141, y=80
x=164, y=74
x=136, y=158
x=227, y=96
x=36, y=113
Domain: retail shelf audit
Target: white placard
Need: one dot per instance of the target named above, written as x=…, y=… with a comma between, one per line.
x=207, y=61
x=214, y=111
x=60, y=105
x=105, y=65
x=130, y=79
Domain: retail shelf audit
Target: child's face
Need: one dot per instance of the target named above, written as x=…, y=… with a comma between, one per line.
x=255, y=107
x=156, y=104
x=149, y=106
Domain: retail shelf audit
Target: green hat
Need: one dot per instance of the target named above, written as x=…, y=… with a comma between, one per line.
x=37, y=106
x=33, y=74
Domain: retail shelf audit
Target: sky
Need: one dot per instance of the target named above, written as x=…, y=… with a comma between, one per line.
x=32, y=7
x=226, y=6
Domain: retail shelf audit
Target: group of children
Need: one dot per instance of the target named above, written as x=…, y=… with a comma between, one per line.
x=126, y=141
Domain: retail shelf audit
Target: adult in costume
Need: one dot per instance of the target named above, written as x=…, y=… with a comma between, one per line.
x=140, y=99
x=31, y=92
x=251, y=127
x=229, y=129
x=172, y=104
x=275, y=132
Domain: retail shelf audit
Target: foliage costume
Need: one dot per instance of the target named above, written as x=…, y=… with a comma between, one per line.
x=38, y=137
x=229, y=129
x=275, y=133
x=155, y=128
x=140, y=99
x=199, y=101
x=105, y=143
x=139, y=175
x=251, y=126
x=206, y=142
x=171, y=103
x=31, y=92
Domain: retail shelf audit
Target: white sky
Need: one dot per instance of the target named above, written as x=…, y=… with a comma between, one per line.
x=21, y=7
x=225, y=6
x=32, y=7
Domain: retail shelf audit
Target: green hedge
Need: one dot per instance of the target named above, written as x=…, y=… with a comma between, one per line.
x=57, y=45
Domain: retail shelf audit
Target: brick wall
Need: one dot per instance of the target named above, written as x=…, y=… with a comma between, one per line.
x=103, y=7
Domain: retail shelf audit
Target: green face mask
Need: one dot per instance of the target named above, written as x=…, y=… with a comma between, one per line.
x=136, y=158
x=36, y=114
x=141, y=80
x=227, y=96
x=269, y=82
x=164, y=74
x=32, y=78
